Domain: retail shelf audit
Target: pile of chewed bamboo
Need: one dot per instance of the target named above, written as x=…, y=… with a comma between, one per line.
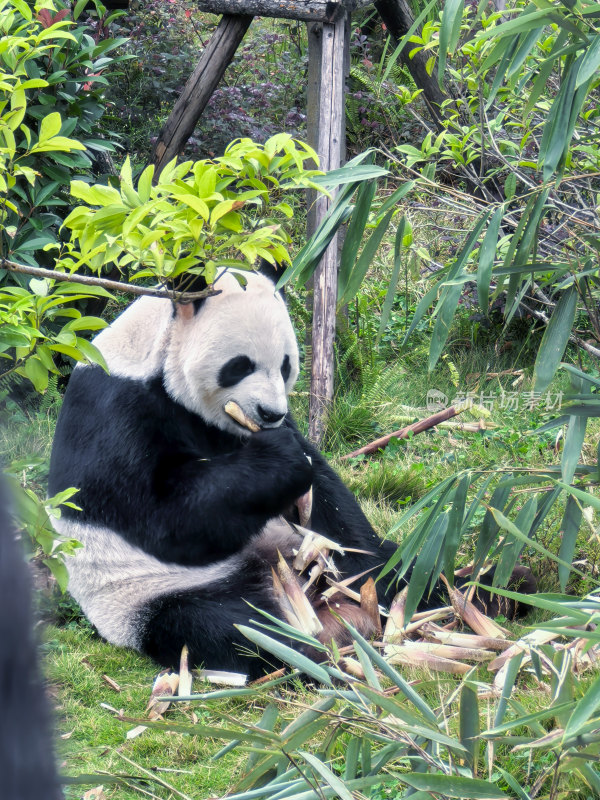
x=451, y=639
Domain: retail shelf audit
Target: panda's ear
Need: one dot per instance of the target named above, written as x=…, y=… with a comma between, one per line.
x=271, y=271
x=188, y=283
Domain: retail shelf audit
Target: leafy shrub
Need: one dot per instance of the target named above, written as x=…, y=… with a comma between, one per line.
x=49, y=64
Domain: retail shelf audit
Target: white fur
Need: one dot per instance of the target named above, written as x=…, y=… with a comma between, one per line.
x=191, y=349
x=134, y=345
x=113, y=581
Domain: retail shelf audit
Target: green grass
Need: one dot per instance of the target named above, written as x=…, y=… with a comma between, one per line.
x=93, y=740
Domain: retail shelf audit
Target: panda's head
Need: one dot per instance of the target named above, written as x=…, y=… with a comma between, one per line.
x=238, y=345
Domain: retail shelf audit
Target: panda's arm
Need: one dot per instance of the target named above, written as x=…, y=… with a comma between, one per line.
x=158, y=476
x=337, y=514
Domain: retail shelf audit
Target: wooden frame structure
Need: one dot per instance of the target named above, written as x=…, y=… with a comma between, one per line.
x=328, y=24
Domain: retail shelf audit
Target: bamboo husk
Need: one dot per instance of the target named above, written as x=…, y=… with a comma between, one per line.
x=414, y=657
x=185, y=676
x=221, y=678
x=369, y=604
x=435, y=634
x=471, y=616
x=165, y=684
x=533, y=639
x=394, y=627
x=314, y=547
x=449, y=651
x=308, y=622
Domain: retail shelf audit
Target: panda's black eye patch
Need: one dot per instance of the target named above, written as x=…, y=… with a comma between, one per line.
x=286, y=368
x=235, y=370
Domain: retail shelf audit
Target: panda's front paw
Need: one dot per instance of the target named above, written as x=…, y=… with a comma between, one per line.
x=282, y=454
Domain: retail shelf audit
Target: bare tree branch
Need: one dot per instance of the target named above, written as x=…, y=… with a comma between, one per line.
x=104, y=283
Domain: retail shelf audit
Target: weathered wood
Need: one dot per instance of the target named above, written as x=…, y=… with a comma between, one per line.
x=328, y=144
x=199, y=88
x=309, y=10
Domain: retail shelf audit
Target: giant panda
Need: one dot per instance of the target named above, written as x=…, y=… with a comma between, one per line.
x=182, y=510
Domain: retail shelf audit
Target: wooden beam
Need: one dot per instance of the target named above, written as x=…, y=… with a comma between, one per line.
x=333, y=41
x=199, y=88
x=309, y=10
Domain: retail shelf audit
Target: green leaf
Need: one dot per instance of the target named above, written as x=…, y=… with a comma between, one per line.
x=50, y=126
x=328, y=776
x=365, y=259
x=569, y=528
x=487, y=254
x=555, y=340
x=390, y=294
x=590, y=62
x=286, y=654
x=453, y=786
x=91, y=353
x=449, y=32
x=510, y=186
x=354, y=234
x=469, y=723
x=37, y=373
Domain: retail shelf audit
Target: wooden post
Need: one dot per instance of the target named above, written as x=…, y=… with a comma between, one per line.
x=199, y=88
x=332, y=41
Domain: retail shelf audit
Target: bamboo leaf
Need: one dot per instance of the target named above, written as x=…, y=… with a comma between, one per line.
x=393, y=200
x=469, y=724
x=425, y=565
x=514, y=785
x=511, y=675
x=572, y=446
x=449, y=32
x=445, y=310
x=455, y=527
x=453, y=786
x=285, y=654
x=508, y=525
x=590, y=62
x=406, y=689
x=569, y=528
x=487, y=254
x=351, y=758
x=489, y=526
x=354, y=233
x=555, y=340
x=511, y=548
x=448, y=302
x=328, y=776
x=365, y=260
x=423, y=305
x=391, y=290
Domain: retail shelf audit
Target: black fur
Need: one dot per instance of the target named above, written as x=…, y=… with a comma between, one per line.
x=27, y=767
x=189, y=493
x=185, y=491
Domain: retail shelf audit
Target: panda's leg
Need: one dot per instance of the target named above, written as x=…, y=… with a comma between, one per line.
x=204, y=618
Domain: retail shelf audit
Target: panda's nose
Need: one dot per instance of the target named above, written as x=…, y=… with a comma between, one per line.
x=269, y=416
